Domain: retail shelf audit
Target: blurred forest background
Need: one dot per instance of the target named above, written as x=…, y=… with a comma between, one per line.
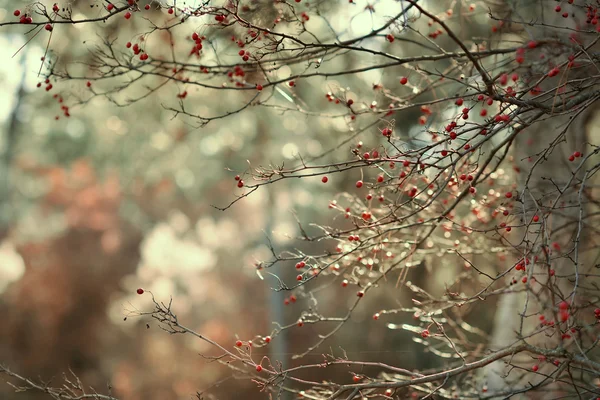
x=114, y=198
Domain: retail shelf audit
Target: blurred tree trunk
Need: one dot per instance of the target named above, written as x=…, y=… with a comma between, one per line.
x=543, y=170
x=539, y=186
x=7, y=145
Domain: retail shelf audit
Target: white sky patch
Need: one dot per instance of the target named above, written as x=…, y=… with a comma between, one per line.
x=12, y=266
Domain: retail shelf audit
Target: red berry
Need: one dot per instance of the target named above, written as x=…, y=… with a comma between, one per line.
x=356, y=378
x=240, y=184
x=238, y=343
x=147, y=6
x=359, y=184
x=536, y=218
x=140, y=291
x=267, y=339
x=88, y=84
x=324, y=179
x=344, y=283
x=403, y=80
x=535, y=368
x=508, y=195
x=110, y=7
x=48, y=27
x=360, y=293
x=459, y=102
x=564, y=316
x=258, y=368
x=390, y=38
x=127, y=15
x=17, y=13
x=128, y=45
x=170, y=11
x=259, y=87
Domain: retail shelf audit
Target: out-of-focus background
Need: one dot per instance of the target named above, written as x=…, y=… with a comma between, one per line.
x=115, y=198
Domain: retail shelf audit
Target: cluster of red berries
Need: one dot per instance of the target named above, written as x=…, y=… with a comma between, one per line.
x=244, y=54
x=591, y=15
x=238, y=71
x=291, y=299
x=332, y=98
x=521, y=264
x=137, y=50
x=575, y=155
x=435, y=33
x=48, y=85
x=24, y=19
x=197, y=44
x=240, y=182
